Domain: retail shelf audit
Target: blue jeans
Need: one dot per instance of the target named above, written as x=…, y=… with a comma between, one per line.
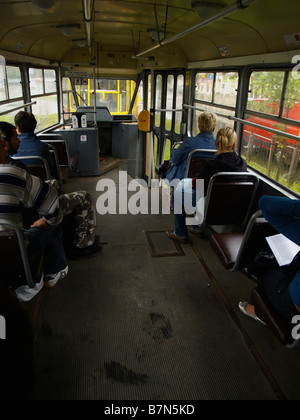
x=51, y=241
x=181, y=229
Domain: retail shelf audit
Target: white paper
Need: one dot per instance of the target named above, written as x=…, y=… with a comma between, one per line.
x=283, y=249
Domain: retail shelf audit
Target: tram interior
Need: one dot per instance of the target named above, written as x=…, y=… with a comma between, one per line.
x=149, y=319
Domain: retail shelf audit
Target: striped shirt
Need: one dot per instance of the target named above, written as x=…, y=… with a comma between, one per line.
x=19, y=189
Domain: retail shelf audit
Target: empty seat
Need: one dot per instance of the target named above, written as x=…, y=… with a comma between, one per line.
x=237, y=250
x=14, y=263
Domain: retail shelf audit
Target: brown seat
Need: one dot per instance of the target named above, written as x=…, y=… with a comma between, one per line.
x=279, y=325
x=237, y=249
x=14, y=264
x=227, y=246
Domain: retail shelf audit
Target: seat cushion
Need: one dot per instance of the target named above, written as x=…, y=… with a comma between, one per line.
x=227, y=246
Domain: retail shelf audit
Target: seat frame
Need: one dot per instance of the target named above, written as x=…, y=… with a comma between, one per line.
x=40, y=158
x=23, y=251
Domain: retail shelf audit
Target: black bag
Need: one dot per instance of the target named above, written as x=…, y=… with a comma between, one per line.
x=262, y=262
x=162, y=170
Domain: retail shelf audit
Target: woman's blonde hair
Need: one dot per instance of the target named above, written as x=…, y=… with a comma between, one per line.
x=207, y=121
x=226, y=139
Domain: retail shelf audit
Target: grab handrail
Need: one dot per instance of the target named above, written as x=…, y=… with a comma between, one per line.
x=245, y=122
x=18, y=107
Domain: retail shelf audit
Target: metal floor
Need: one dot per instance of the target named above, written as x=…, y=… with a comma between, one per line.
x=128, y=326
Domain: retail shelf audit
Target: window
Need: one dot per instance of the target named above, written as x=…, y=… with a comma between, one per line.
x=215, y=92
x=179, y=102
x=11, y=91
x=169, y=105
x=204, y=86
x=139, y=102
x=43, y=90
x=265, y=92
x=36, y=81
x=14, y=82
x=50, y=81
x=10, y=83
x=115, y=94
x=158, y=99
x=273, y=103
x=292, y=99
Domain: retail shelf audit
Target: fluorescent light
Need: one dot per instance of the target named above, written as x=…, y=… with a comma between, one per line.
x=69, y=30
x=156, y=35
x=44, y=4
x=80, y=42
x=204, y=9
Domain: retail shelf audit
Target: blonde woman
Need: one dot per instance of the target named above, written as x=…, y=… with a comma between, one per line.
x=227, y=160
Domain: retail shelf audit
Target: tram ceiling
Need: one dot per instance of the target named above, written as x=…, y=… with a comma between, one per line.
x=117, y=32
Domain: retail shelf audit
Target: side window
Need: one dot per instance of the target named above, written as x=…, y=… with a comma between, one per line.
x=14, y=82
x=170, y=95
x=11, y=91
x=265, y=92
x=158, y=99
x=215, y=92
x=179, y=102
x=273, y=103
x=43, y=90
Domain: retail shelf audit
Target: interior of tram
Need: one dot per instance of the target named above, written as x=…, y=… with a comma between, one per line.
x=149, y=319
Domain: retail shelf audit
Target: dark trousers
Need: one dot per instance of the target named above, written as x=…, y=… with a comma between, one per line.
x=51, y=241
x=284, y=214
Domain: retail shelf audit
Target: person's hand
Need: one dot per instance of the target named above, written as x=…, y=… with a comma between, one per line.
x=40, y=224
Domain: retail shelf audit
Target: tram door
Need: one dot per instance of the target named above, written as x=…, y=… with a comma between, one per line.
x=168, y=117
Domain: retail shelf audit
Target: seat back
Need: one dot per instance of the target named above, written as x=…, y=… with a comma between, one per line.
x=254, y=240
x=196, y=160
x=40, y=170
x=61, y=146
x=14, y=263
x=230, y=198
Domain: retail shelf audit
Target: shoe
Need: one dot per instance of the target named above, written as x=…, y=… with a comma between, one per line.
x=242, y=306
x=199, y=233
x=88, y=251
x=182, y=239
x=52, y=279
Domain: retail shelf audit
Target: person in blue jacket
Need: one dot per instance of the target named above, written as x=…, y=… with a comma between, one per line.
x=30, y=144
x=207, y=122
